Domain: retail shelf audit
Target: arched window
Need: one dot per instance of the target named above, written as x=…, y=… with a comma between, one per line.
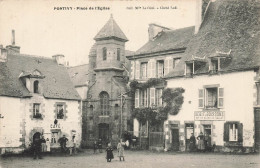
x=36, y=86
x=104, y=53
x=118, y=54
x=104, y=103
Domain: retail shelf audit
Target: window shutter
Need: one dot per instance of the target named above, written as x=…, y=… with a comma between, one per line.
x=240, y=132
x=132, y=70
x=153, y=69
x=137, y=70
x=170, y=65
x=201, y=98
x=136, y=98
x=226, y=132
x=149, y=69
x=160, y=97
x=220, y=97
x=166, y=67
x=152, y=96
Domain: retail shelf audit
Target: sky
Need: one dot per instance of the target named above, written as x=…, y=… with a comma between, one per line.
x=42, y=30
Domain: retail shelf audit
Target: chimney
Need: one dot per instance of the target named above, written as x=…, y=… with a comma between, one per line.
x=3, y=54
x=60, y=59
x=13, y=49
x=154, y=29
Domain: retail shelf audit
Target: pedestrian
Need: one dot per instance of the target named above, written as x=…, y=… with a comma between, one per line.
x=43, y=144
x=100, y=145
x=192, y=142
x=127, y=144
x=48, y=145
x=201, y=145
x=121, y=150
x=109, y=151
x=72, y=145
x=63, y=142
x=37, y=144
x=95, y=146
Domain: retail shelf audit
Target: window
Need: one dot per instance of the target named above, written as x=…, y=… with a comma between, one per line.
x=36, y=86
x=36, y=110
x=136, y=98
x=158, y=98
x=215, y=65
x=258, y=93
x=118, y=54
x=160, y=68
x=176, y=61
x=144, y=98
x=91, y=108
x=104, y=103
x=213, y=97
x=144, y=70
x=233, y=132
x=60, y=111
x=54, y=137
x=189, y=69
x=104, y=53
x=117, y=109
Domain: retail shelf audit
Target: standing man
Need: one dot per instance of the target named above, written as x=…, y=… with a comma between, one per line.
x=63, y=141
x=100, y=145
x=37, y=146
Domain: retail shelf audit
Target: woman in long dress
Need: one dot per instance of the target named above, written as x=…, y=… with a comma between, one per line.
x=48, y=145
x=109, y=151
x=201, y=145
x=121, y=150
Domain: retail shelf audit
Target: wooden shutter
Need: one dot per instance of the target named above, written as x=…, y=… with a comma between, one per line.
x=226, y=132
x=149, y=69
x=136, y=98
x=153, y=69
x=137, y=70
x=132, y=70
x=240, y=132
x=152, y=96
x=166, y=66
x=201, y=98
x=160, y=96
x=170, y=65
x=220, y=97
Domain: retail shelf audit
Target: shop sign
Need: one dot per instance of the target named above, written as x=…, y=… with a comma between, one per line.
x=209, y=115
x=55, y=126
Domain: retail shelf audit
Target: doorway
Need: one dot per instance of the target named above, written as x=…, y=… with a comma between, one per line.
x=103, y=130
x=189, y=129
x=175, y=139
x=37, y=135
x=207, y=134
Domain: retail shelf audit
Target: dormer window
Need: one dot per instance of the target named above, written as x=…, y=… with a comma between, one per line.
x=118, y=54
x=36, y=86
x=104, y=53
x=189, y=69
x=193, y=65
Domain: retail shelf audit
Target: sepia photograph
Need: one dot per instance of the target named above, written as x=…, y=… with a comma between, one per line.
x=130, y=83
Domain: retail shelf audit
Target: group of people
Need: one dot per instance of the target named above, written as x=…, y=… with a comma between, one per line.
x=203, y=142
x=109, y=150
x=41, y=145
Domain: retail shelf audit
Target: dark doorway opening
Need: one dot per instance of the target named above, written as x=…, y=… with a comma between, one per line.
x=103, y=130
x=175, y=139
x=189, y=129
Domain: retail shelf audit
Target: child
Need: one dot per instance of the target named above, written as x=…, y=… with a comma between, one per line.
x=95, y=146
x=110, y=155
x=120, y=149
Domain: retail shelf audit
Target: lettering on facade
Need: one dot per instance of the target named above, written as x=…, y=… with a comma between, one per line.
x=209, y=115
x=55, y=126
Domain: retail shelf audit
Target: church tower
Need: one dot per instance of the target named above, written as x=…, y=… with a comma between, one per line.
x=105, y=113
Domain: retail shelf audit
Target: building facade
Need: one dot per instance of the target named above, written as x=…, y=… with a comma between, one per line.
x=36, y=98
x=106, y=110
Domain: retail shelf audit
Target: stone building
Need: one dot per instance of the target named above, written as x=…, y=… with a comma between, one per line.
x=34, y=92
x=106, y=109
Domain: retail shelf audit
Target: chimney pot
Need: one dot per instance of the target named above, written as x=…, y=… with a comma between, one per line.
x=60, y=59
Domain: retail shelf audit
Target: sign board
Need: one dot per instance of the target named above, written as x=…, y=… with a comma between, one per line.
x=209, y=115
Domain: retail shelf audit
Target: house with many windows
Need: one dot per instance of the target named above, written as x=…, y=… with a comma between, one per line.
x=36, y=98
x=219, y=72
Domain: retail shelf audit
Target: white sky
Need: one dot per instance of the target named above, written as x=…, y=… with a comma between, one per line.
x=41, y=30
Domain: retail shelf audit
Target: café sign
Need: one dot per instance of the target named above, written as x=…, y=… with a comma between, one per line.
x=209, y=115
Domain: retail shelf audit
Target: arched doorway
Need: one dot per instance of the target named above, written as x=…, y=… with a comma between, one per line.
x=37, y=135
x=103, y=132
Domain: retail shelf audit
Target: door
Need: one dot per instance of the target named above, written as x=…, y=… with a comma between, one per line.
x=175, y=139
x=257, y=128
x=189, y=129
x=207, y=134
x=37, y=135
x=103, y=130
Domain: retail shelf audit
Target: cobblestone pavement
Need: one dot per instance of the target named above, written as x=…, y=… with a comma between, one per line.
x=136, y=159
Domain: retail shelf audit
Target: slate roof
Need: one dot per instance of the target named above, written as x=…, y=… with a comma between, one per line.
x=111, y=30
x=228, y=26
x=79, y=75
x=56, y=83
x=167, y=40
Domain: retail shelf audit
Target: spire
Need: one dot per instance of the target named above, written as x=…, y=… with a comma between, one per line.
x=111, y=30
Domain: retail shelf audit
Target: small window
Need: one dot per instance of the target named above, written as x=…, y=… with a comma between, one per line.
x=36, y=110
x=54, y=137
x=60, y=111
x=189, y=69
x=117, y=110
x=233, y=132
x=258, y=93
x=118, y=54
x=104, y=103
x=104, y=53
x=213, y=98
x=158, y=98
x=91, y=109
x=215, y=65
x=160, y=68
x=176, y=61
x=144, y=98
x=144, y=70
x=36, y=86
